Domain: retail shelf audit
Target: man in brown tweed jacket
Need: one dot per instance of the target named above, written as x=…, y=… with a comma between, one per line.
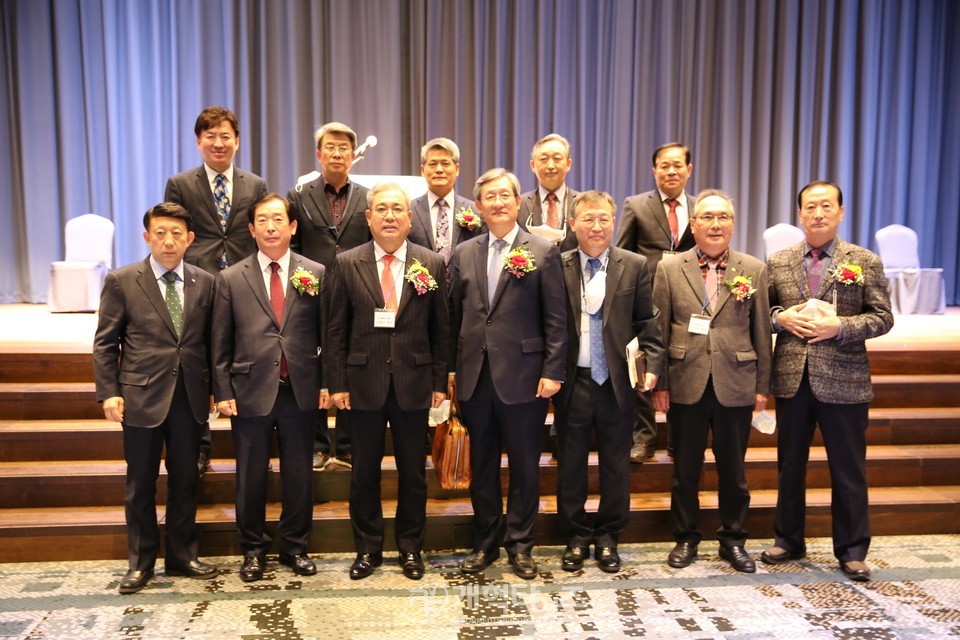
x=827, y=298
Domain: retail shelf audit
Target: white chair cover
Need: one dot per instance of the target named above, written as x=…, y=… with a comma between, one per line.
x=780, y=236
x=912, y=288
x=76, y=281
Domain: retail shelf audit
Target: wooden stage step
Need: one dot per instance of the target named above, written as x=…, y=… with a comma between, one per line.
x=28, y=535
x=25, y=485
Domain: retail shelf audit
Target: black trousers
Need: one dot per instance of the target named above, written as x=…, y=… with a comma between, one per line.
x=594, y=408
x=142, y=449
x=844, y=429
x=731, y=434
x=493, y=424
x=295, y=431
x=368, y=429
x=341, y=445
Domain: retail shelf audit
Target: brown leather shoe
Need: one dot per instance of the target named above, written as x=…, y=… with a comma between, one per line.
x=641, y=452
x=779, y=555
x=856, y=570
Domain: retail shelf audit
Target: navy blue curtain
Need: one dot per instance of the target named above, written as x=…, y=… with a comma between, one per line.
x=98, y=100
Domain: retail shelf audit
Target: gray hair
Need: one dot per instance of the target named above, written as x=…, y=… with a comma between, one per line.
x=550, y=137
x=380, y=187
x=713, y=193
x=594, y=197
x=335, y=127
x=495, y=174
x=440, y=144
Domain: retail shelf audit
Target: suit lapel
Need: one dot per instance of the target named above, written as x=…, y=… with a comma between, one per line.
x=319, y=197
x=348, y=211
x=828, y=284
x=656, y=211
x=734, y=269
x=505, y=275
x=367, y=269
x=148, y=283
x=189, y=295
x=251, y=273
x=536, y=216
x=421, y=220
x=571, y=275
x=205, y=195
x=614, y=274
x=693, y=274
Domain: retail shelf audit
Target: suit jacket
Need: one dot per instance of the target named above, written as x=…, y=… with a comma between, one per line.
x=530, y=210
x=362, y=359
x=191, y=190
x=248, y=340
x=316, y=237
x=628, y=313
x=839, y=369
x=644, y=228
x=522, y=331
x=737, y=350
x=136, y=351
x=421, y=230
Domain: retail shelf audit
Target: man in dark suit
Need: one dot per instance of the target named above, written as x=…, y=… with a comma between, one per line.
x=150, y=364
x=655, y=224
x=609, y=304
x=714, y=320
x=545, y=210
x=386, y=358
x=442, y=219
x=509, y=326
x=218, y=196
x=828, y=297
x=267, y=329
x=330, y=212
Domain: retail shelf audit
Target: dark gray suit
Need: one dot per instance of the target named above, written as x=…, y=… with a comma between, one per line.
x=502, y=349
x=421, y=228
x=164, y=381
x=248, y=342
x=390, y=375
x=713, y=381
x=191, y=189
x=530, y=211
x=582, y=405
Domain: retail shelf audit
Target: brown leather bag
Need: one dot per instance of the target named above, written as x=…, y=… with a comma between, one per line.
x=451, y=452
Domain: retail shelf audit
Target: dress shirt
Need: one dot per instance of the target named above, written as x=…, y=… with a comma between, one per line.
x=227, y=183
x=397, y=267
x=683, y=215
x=266, y=271
x=583, y=355
x=159, y=270
x=509, y=238
x=561, y=194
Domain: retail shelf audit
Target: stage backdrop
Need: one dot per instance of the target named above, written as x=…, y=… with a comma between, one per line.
x=98, y=100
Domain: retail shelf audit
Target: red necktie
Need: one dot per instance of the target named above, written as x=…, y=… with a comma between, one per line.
x=276, y=301
x=672, y=219
x=553, y=216
x=386, y=283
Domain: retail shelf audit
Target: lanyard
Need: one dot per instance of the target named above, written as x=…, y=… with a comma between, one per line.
x=707, y=296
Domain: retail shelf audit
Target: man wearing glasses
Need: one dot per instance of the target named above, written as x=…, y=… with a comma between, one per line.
x=331, y=213
x=714, y=319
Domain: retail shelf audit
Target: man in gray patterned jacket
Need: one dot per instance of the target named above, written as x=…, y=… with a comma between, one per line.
x=827, y=298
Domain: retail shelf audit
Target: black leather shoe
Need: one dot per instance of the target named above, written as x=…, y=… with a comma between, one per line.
x=523, y=565
x=682, y=555
x=193, y=569
x=364, y=565
x=479, y=560
x=133, y=581
x=301, y=563
x=738, y=558
x=252, y=568
x=203, y=462
x=779, y=555
x=856, y=570
x=573, y=558
x=608, y=559
x=412, y=565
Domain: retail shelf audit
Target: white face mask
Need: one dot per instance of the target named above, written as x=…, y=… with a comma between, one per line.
x=593, y=292
x=547, y=233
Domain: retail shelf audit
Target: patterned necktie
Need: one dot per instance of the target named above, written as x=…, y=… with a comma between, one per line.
x=173, y=301
x=673, y=221
x=598, y=359
x=443, y=230
x=276, y=301
x=712, y=284
x=494, y=267
x=815, y=273
x=387, y=284
x=553, y=213
x=222, y=200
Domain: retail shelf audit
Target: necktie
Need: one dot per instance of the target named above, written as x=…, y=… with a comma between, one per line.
x=712, y=284
x=387, y=284
x=222, y=200
x=815, y=272
x=494, y=267
x=598, y=359
x=553, y=213
x=276, y=301
x=443, y=229
x=173, y=301
x=672, y=220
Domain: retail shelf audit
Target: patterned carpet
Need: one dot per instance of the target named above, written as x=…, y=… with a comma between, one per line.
x=915, y=595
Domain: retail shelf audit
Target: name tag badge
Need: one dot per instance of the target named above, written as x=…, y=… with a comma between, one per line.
x=584, y=323
x=699, y=324
x=384, y=318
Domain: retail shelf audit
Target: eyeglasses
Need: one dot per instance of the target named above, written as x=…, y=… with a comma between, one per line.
x=709, y=218
x=342, y=149
x=493, y=198
x=591, y=220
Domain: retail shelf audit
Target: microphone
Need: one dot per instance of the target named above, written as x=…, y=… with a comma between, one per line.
x=369, y=143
